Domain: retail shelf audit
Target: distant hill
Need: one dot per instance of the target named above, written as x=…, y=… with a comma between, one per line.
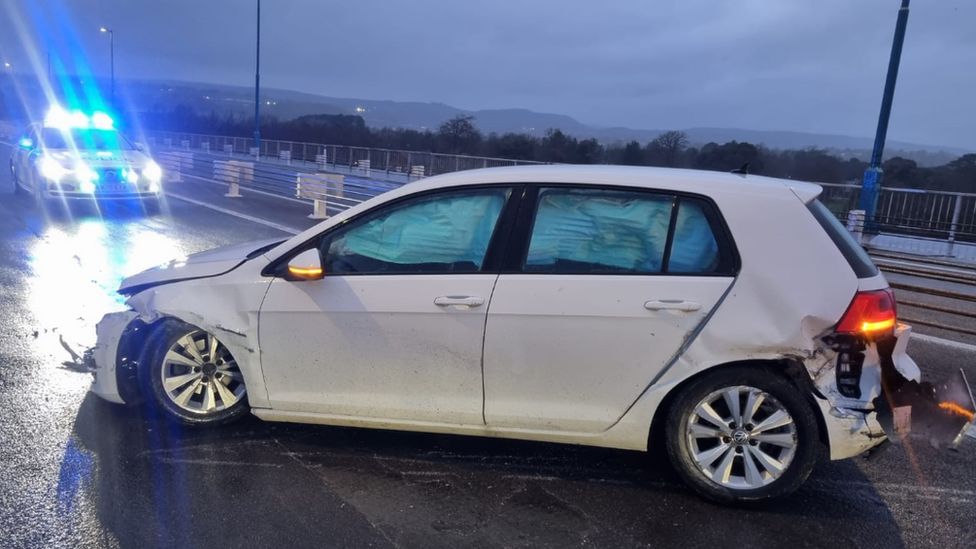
x=288, y=104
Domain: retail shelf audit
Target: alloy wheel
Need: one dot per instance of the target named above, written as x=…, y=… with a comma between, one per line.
x=200, y=376
x=741, y=437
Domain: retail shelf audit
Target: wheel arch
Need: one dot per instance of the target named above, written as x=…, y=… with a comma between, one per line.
x=789, y=368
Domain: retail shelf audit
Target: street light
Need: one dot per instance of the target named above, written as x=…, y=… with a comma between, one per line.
x=111, y=56
x=257, y=87
x=873, y=175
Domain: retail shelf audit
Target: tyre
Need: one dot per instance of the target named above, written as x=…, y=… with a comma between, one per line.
x=741, y=434
x=15, y=185
x=192, y=378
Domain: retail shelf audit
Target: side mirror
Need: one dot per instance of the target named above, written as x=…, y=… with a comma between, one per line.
x=26, y=143
x=306, y=266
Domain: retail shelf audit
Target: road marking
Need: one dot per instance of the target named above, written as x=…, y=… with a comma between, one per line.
x=251, y=218
x=945, y=342
x=218, y=462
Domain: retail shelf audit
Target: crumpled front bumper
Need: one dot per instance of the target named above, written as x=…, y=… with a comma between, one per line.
x=104, y=354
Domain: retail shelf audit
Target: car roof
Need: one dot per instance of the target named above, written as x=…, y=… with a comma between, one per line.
x=709, y=183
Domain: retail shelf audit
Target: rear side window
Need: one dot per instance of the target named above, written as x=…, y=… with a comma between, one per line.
x=607, y=231
x=855, y=255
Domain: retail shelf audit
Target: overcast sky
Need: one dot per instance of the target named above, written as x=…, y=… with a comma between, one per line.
x=813, y=65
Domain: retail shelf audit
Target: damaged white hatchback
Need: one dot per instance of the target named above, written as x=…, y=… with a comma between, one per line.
x=728, y=317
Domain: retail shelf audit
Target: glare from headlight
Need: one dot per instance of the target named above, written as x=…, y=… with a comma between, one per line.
x=130, y=175
x=51, y=169
x=86, y=186
x=152, y=172
x=154, y=186
x=84, y=172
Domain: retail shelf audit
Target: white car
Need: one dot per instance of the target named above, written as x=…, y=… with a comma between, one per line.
x=73, y=156
x=730, y=317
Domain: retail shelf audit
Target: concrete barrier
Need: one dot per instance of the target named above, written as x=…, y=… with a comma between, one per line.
x=318, y=187
x=233, y=172
x=363, y=165
x=174, y=164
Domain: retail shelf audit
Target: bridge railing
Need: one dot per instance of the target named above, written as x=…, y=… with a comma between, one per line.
x=392, y=164
x=939, y=215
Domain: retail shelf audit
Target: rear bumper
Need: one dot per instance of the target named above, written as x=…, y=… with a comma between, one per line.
x=891, y=401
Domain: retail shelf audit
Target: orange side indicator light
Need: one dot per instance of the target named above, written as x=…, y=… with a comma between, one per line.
x=305, y=272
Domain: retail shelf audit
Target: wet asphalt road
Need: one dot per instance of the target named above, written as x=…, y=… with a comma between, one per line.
x=77, y=471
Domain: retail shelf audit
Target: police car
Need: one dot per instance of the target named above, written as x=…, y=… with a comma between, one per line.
x=76, y=156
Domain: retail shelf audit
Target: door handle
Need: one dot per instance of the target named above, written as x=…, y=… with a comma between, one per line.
x=459, y=300
x=672, y=305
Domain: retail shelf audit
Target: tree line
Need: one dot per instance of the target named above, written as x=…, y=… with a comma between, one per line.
x=460, y=135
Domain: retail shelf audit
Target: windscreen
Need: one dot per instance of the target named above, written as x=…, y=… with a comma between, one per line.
x=85, y=139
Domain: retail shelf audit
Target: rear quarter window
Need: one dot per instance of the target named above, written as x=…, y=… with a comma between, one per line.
x=856, y=257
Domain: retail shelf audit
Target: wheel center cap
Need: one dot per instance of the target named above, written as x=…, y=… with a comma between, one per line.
x=740, y=436
x=209, y=369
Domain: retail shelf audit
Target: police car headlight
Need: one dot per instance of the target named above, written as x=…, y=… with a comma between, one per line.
x=152, y=172
x=51, y=169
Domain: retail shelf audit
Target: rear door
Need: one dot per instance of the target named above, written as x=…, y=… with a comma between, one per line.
x=599, y=295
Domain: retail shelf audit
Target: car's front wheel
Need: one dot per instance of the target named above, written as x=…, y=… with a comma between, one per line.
x=193, y=378
x=740, y=435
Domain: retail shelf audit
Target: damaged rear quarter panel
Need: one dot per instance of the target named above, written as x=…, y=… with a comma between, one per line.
x=794, y=286
x=226, y=306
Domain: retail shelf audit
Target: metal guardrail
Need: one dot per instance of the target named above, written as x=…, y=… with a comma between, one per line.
x=397, y=165
x=913, y=212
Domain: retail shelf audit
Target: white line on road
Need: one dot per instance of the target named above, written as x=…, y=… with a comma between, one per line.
x=945, y=342
x=251, y=218
x=249, y=189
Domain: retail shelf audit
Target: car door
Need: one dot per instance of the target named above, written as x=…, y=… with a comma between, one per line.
x=607, y=286
x=395, y=328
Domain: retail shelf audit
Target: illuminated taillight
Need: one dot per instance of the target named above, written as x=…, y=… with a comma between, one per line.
x=870, y=313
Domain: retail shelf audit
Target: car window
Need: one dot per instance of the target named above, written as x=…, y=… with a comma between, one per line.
x=694, y=248
x=447, y=232
x=598, y=231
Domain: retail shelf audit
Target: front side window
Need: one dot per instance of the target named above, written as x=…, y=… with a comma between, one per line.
x=442, y=233
x=599, y=231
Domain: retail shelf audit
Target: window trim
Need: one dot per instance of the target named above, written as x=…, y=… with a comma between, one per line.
x=499, y=237
x=519, y=244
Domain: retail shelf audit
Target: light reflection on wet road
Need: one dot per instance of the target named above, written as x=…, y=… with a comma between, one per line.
x=79, y=472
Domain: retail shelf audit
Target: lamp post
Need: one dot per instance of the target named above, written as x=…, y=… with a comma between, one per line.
x=111, y=59
x=873, y=175
x=257, y=86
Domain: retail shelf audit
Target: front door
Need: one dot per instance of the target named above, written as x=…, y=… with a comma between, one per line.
x=395, y=328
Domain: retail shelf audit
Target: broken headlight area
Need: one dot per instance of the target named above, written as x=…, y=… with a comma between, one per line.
x=906, y=407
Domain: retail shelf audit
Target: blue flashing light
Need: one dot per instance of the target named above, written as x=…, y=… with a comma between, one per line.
x=61, y=119
x=26, y=143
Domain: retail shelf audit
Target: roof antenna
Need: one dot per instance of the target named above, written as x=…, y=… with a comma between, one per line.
x=744, y=170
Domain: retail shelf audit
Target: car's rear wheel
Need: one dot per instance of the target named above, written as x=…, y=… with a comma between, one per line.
x=193, y=378
x=742, y=434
